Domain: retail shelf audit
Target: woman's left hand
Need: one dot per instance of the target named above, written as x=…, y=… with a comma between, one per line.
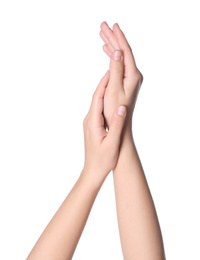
x=102, y=147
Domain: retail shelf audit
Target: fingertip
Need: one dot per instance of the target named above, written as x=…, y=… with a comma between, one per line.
x=106, y=73
x=104, y=23
x=105, y=78
x=118, y=31
x=115, y=25
x=117, y=55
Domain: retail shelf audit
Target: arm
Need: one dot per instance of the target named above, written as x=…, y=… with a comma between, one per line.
x=60, y=238
x=137, y=219
x=138, y=223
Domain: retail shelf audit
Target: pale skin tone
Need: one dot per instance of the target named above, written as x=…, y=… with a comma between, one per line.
x=137, y=219
x=112, y=106
x=59, y=239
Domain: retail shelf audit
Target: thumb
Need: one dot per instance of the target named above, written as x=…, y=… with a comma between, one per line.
x=116, y=69
x=116, y=125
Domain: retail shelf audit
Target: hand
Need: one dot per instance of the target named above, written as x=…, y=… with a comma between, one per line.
x=125, y=78
x=102, y=147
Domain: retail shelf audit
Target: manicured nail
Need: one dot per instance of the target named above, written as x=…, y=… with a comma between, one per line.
x=121, y=111
x=117, y=55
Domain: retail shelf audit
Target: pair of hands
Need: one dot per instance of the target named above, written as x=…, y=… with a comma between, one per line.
x=112, y=104
x=112, y=107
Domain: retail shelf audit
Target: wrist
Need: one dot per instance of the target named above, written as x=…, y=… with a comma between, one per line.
x=127, y=143
x=92, y=177
x=126, y=148
x=127, y=133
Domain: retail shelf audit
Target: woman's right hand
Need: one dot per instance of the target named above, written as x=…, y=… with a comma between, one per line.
x=125, y=79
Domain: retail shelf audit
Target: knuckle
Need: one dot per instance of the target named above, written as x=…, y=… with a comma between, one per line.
x=117, y=68
x=138, y=77
x=118, y=121
x=141, y=77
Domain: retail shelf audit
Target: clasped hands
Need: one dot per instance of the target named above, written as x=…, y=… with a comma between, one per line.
x=113, y=149
x=112, y=106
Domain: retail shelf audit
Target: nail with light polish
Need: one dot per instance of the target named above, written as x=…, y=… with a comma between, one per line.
x=121, y=111
x=117, y=55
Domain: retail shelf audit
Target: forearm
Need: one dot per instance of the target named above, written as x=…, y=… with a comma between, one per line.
x=62, y=234
x=138, y=224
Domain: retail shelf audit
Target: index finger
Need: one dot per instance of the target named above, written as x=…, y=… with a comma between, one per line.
x=98, y=96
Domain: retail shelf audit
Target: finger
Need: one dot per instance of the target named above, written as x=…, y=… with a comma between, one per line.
x=116, y=125
x=116, y=70
x=111, y=38
x=103, y=37
x=129, y=61
x=98, y=96
x=107, y=50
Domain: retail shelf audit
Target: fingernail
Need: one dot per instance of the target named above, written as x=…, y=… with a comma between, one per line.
x=117, y=55
x=121, y=111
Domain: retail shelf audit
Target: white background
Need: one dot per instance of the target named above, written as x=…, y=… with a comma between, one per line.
x=51, y=61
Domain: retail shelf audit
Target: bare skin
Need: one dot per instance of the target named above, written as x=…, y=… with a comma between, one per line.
x=60, y=238
x=139, y=228
x=115, y=98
